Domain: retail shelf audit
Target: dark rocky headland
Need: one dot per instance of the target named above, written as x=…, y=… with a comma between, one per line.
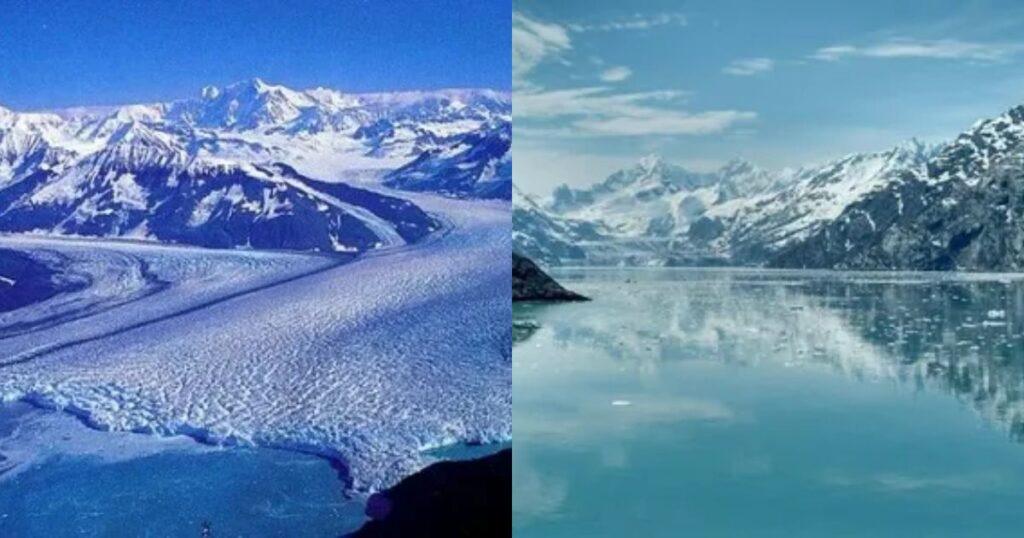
x=530, y=283
x=451, y=499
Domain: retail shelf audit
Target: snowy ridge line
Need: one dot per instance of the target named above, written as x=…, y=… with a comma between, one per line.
x=36, y=353
x=447, y=227
x=202, y=171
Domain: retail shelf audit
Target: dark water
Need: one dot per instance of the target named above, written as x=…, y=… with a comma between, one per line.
x=726, y=403
x=58, y=478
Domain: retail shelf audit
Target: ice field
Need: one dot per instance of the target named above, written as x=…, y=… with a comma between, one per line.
x=369, y=362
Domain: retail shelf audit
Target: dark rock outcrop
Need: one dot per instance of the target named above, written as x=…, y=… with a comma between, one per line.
x=453, y=499
x=530, y=283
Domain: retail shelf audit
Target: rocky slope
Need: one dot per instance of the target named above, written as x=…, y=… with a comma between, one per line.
x=952, y=207
x=452, y=499
x=530, y=283
x=963, y=212
x=547, y=237
x=474, y=165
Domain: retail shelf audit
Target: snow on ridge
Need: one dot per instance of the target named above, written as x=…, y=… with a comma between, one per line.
x=67, y=158
x=647, y=212
x=251, y=107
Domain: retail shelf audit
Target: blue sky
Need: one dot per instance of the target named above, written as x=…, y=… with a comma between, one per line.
x=84, y=52
x=599, y=84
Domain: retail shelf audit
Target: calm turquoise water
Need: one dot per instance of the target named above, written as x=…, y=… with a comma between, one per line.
x=732, y=403
x=59, y=478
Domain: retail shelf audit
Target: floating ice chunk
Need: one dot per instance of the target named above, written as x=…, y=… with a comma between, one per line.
x=621, y=403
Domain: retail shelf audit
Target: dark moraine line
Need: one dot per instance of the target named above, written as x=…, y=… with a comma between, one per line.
x=452, y=499
x=35, y=354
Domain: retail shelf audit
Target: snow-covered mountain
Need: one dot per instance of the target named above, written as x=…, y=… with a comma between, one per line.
x=252, y=164
x=657, y=199
x=810, y=198
x=476, y=165
x=656, y=213
x=963, y=211
x=638, y=215
x=549, y=238
x=957, y=206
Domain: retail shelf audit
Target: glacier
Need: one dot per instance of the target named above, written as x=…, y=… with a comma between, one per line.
x=314, y=271
x=368, y=361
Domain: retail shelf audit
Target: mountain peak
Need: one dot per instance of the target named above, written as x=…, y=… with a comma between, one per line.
x=210, y=92
x=244, y=105
x=916, y=151
x=138, y=113
x=912, y=145
x=651, y=161
x=256, y=84
x=737, y=165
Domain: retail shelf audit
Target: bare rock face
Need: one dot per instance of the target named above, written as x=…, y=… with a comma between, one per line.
x=530, y=283
x=452, y=499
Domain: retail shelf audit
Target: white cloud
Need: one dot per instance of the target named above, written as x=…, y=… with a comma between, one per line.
x=616, y=74
x=586, y=101
x=942, y=49
x=661, y=122
x=596, y=111
x=534, y=42
x=749, y=66
x=637, y=22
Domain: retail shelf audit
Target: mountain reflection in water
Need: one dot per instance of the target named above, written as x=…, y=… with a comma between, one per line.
x=959, y=333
